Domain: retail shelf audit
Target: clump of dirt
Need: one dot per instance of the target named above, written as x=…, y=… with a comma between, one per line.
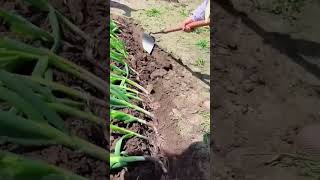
x=261, y=100
x=89, y=16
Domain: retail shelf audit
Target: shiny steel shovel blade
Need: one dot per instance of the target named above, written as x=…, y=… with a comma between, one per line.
x=147, y=42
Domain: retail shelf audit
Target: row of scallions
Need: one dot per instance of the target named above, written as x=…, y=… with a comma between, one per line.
x=33, y=105
x=123, y=93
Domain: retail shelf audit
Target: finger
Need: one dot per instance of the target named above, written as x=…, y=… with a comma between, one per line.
x=184, y=27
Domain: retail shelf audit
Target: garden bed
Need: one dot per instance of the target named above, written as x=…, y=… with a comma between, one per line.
x=90, y=17
x=161, y=75
x=262, y=99
x=140, y=61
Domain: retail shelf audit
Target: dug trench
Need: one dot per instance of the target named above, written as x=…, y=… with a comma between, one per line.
x=90, y=17
x=262, y=99
x=163, y=77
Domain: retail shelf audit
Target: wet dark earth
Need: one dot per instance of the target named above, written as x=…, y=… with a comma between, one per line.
x=90, y=16
x=262, y=98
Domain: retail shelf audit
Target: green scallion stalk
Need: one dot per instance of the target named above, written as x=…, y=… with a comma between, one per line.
x=19, y=130
x=125, y=131
x=119, y=102
x=15, y=166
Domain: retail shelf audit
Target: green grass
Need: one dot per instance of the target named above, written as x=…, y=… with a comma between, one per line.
x=203, y=44
x=288, y=6
x=205, y=124
x=205, y=114
x=308, y=165
x=201, y=30
x=200, y=62
x=206, y=138
x=184, y=12
x=153, y=12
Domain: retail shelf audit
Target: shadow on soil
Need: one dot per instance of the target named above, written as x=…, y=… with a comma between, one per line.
x=191, y=164
x=293, y=48
x=205, y=78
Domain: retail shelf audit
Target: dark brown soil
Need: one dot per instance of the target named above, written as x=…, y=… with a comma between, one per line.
x=89, y=16
x=261, y=99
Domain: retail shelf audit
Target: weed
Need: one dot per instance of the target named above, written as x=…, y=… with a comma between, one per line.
x=200, y=30
x=205, y=114
x=206, y=138
x=205, y=124
x=310, y=166
x=200, y=62
x=288, y=9
x=153, y=12
x=203, y=44
x=288, y=6
x=184, y=12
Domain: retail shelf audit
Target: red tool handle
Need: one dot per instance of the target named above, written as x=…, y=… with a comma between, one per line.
x=168, y=30
x=172, y=30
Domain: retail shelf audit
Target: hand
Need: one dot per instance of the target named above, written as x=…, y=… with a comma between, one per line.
x=187, y=28
x=185, y=23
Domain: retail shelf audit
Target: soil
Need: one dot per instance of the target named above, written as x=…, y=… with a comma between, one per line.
x=262, y=96
x=140, y=62
x=165, y=78
x=172, y=0
x=90, y=17
x=178, y=44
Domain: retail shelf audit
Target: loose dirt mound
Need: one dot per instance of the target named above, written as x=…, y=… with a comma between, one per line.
x=261, y=101
x=166, y=79
x=89, y=16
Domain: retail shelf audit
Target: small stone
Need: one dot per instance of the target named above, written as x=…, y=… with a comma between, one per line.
x=149, y=88
x=206, y=104
x=152, y=64
x=254, y=78
x=183, y=86
x=245, y=109
x=158, y=73
x=248, y=86
x=145, y=57
x=231, y=89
